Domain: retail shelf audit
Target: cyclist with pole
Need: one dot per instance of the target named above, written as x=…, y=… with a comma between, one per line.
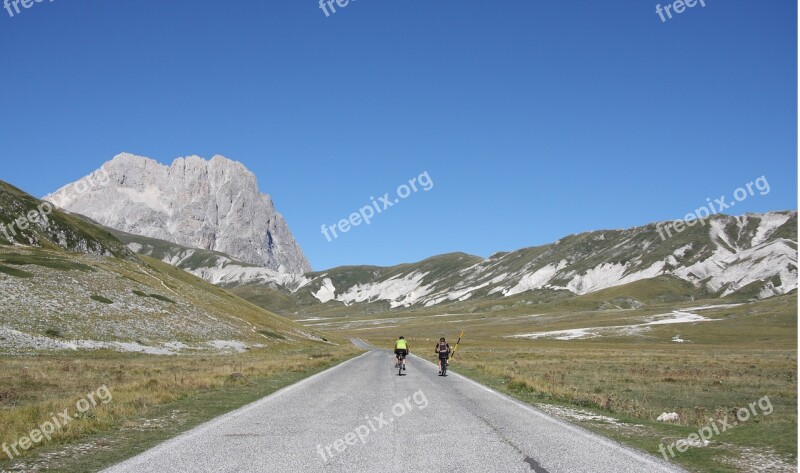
x=443, y=350
x=401, y=350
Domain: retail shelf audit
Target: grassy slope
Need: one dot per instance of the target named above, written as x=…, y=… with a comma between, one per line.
x=142, y=292
x=259, y=317
x=61, y=230
x=264, y=296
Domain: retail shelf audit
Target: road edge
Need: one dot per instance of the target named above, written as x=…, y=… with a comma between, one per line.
x=216, y=421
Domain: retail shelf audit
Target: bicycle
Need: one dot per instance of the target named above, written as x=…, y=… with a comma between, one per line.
x=444, y=366
x=400, y=364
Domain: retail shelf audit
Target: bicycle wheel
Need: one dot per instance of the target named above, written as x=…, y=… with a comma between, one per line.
x=400, y=366
x=444, y=367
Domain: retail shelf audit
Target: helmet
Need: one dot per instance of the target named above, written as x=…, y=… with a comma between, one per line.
x=402, y=337
x=441, y=339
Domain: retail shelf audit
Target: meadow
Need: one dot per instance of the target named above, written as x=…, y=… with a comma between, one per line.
x=153, y=398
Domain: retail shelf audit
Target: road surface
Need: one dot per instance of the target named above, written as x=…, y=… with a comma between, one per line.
x=361, y=416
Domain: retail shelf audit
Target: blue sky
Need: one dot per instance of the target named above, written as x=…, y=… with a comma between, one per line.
x=533, y=119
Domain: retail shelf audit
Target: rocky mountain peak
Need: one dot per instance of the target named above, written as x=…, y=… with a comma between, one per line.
x=209, y=204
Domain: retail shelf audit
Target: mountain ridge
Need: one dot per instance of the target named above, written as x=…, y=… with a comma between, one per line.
x=725, y=255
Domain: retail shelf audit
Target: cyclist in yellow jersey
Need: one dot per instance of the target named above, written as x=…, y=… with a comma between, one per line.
x=401, y=348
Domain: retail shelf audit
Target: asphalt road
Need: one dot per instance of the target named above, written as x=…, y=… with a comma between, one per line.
x=362, y=416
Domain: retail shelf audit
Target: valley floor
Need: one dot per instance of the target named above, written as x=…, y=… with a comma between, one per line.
x=616, y=371
x=611, y=371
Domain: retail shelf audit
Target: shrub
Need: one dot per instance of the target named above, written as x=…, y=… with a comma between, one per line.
x=272, y=334
x=102, y=299
x=53, y=333
x=162, y=298
x=18, y=273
